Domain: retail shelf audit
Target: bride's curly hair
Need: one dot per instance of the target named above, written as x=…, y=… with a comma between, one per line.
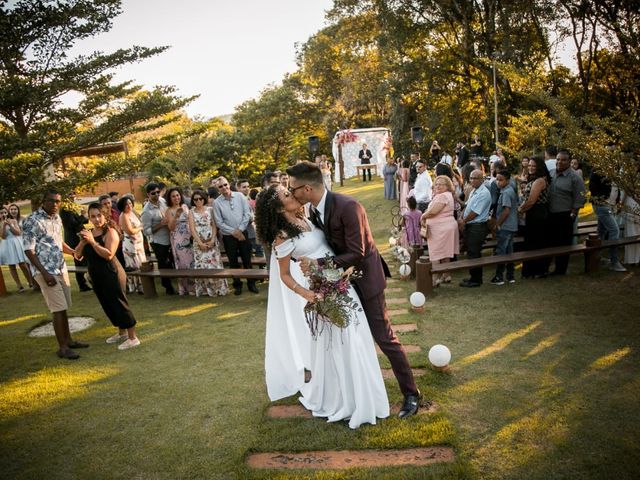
x=270, y=219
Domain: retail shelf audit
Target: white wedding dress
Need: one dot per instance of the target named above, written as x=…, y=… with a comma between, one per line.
x=346, y=380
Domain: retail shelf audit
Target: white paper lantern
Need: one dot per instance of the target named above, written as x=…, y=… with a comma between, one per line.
x=393, y=241
x=405, y=270
x=439, y=356
x=417, y=299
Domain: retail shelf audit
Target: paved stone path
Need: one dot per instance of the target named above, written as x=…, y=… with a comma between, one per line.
x=332, y=459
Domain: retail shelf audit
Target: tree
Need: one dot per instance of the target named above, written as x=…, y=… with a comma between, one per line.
x=36, y=73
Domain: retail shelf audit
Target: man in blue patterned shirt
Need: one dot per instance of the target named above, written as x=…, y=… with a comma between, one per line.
x=45, y=248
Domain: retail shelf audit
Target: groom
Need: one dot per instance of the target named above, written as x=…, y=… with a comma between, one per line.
x=347, y=231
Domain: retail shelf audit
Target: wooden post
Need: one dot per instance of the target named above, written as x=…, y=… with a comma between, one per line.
x=148, y=283
x=424, y=282
x=341, y=164
x=592, y=257
x=3, y=287
x=416, y=253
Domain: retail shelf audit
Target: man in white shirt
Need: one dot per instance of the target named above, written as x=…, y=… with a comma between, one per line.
x=550, y=153
x=446, y=158
x=423, y=187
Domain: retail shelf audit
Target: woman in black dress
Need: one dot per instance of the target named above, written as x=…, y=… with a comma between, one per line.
x=98, y=246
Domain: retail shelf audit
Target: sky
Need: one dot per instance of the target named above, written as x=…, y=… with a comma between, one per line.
x=226, y=51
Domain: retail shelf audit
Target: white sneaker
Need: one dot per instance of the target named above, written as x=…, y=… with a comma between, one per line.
x=116, y=338
x=617, y=267
x=129, y=344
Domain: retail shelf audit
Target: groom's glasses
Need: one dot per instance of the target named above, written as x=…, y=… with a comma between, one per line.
x=292, y=189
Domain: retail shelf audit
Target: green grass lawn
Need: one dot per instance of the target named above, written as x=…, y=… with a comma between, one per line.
x=544, y=383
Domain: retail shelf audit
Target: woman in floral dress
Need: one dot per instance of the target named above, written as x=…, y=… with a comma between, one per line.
x=206, y=252
x=132, y=242
x=177, y=216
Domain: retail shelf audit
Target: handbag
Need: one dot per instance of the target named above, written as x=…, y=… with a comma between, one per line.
x=424, y=231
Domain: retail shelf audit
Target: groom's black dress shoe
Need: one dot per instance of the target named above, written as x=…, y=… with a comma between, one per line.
x=410, y=406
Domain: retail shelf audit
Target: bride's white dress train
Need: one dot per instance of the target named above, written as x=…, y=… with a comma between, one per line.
x=346, y=380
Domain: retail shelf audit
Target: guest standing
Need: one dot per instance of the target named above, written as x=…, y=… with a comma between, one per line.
x=155, y=228
x=423, y=187
x=506, y=224
x=232, y=215
x=177, y=216
x=474, y=222
x=132, y=242
x=434, y=150
x=535, y=207
x=403, y=175
x=99, y=246
x=44, y=247
x=631, y=212
x=566, y=198
x=443, y=238
x=206, y=250
x=389, y=173
x=325, y=166
x=73, y=222
x=410, y=223
x=11, y=247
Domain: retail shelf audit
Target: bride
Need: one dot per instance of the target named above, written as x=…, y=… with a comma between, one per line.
x=346, y=381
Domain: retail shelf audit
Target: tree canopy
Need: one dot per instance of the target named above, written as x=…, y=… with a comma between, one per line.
x=37, y=127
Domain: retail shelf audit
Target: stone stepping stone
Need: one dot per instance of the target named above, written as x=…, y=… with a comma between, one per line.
x=76, y=324
x=298, y=411
x=394, y=290
x=396, y=301
x=387, y=373
x=393, y=313
x=407, y=348
x=405, y=327
x=335, y=460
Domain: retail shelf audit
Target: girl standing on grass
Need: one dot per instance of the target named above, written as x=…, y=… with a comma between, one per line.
x=11, y=248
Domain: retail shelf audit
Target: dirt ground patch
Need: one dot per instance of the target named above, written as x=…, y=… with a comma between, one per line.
x=328, y=460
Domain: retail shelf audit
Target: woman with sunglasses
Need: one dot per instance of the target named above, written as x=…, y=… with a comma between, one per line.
x=206, y=250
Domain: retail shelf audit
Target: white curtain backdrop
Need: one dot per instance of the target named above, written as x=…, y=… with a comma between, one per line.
x=375, y=140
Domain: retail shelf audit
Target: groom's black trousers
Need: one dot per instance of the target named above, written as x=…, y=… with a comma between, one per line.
x=375, y=309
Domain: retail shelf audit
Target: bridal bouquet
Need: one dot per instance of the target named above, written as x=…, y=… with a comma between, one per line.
x=334, y=304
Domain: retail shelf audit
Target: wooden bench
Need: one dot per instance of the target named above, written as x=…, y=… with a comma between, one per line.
x=584, y=230
x=148, y=277
x=425, y=269
x=255, y=261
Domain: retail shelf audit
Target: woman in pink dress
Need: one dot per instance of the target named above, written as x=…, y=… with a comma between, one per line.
x=403, y=176
x=442, y=228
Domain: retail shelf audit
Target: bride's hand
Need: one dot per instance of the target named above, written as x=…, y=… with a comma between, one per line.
x=309, y=296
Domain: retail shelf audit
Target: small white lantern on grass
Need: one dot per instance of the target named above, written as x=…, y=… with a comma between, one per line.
x=417, y=300
x=405, y=271
x=393, y=241
x=439, y=356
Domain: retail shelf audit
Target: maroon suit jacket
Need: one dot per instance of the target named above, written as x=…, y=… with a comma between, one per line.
x=347, y=231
